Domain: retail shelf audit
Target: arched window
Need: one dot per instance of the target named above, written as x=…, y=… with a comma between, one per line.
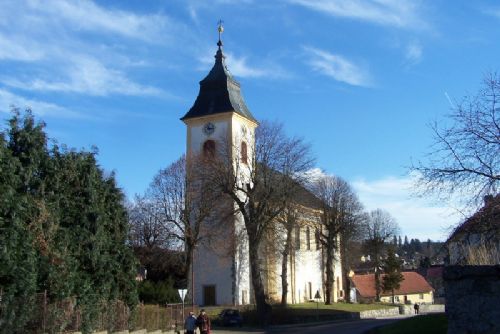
x=297, y=237
x=308, y=238
x=209, y=148
x=244, y=153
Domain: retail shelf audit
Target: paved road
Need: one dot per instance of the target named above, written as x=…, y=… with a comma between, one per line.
x=348, y=327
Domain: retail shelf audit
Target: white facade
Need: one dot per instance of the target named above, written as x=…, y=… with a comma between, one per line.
x=221, y=273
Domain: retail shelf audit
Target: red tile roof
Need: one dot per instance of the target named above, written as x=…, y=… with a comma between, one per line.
x=412, y=283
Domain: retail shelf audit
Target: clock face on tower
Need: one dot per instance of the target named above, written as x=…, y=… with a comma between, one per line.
x=208, y=128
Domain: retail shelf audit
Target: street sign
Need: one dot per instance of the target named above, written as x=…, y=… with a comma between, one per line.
x=182, y=294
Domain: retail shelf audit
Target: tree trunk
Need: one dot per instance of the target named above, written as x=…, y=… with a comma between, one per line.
x=377, y=284
x=188, y=263
x=263, y=308
x=329, y=275
x=284, y=266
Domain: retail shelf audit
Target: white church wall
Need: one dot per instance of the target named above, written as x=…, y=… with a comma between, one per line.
x=196, y=136
x=307, y=275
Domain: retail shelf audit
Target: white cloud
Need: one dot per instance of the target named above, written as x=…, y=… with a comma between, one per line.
x=88, y=16
x=414, y=52
x=86, y=75
x=337, y=67
x=417, y=217
x=240, y=67
x=8, y=99
x=52, y=39
x=493, y=11
x=11, y=48
x=397, y=13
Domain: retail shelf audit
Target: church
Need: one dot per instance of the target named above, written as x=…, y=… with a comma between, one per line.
x=222, y=276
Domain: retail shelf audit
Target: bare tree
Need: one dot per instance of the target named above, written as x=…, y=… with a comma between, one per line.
x=465, y=158
x=261, y=190
x=183, y=210
x=147, y=225
x=342, y=212
x=379, y=228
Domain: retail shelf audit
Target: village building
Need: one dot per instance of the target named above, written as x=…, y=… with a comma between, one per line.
x=477, y=240
x=221, y=273
x=413, y=289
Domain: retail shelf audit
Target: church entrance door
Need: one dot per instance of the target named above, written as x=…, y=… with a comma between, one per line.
x=209, y=295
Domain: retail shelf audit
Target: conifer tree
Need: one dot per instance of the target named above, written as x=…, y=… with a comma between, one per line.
x=63, y=230
x=392, y=269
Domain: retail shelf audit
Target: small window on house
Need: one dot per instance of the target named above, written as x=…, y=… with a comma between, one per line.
x=308, y=238
x=209, y=148
x=297, y=237
x=244, y=153
x=421, y=296
x=396, y=298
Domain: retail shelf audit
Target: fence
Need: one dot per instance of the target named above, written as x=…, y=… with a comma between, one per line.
x=66, y=316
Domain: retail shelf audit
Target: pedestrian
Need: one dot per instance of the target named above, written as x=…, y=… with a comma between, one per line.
x=416, y=307
x=203, y=322
x=190, y=323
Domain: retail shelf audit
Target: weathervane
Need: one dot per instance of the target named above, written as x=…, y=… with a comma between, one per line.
x=220, y=29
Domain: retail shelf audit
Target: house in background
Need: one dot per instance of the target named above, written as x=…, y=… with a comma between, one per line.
x=414, y=289
x=477, y=240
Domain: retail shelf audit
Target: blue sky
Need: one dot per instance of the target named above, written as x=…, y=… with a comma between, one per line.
x=359, y=80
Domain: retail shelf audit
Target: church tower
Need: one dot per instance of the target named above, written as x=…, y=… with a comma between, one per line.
x=220, y=117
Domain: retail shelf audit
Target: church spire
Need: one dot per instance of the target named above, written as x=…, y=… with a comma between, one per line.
x=219, y=92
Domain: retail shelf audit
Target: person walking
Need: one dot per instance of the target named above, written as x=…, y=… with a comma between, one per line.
x=203, y=322
x=416, y=307
x=190, y=323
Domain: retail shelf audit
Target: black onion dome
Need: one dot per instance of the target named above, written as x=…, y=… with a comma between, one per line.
x=219, y=93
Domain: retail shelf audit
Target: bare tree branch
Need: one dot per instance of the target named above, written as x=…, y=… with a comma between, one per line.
x=465, y=158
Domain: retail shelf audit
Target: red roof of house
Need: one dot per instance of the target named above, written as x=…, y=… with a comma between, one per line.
x=412, y=283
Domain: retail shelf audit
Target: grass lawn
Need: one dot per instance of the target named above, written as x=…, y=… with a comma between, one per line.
x=428, y=324
x=300, y=313
x=345, y=307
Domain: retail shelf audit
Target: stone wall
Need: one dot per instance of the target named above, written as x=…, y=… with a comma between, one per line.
x=423, y=308
x=386, y=312
x=472, y=299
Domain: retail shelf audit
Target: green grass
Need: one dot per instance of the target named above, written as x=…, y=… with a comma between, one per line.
x=345, y=307
x=300, y=313
x=428, y=324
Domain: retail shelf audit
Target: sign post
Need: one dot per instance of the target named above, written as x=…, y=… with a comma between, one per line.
x=317, y=297
x=182, y=294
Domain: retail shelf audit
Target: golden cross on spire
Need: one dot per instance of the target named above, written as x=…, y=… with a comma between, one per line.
x=220, y=28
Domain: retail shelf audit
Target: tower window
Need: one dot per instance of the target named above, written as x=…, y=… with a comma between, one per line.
x=297, y=237
x=317, y=239
x=308, y=238
x=209, y=148
x=244, y=153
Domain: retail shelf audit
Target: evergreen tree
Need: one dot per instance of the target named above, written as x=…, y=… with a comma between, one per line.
x=64, y=229
x=17, y=256
x=392, y=269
